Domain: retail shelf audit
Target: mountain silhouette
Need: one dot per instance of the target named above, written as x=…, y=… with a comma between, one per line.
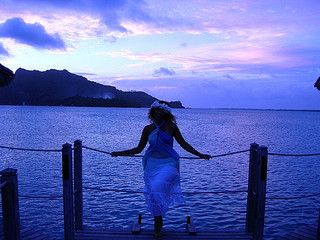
x=60, y=87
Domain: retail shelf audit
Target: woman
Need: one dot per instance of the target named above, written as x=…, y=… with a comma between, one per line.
x=161, y=161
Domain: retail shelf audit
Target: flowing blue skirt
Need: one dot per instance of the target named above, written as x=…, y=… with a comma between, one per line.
x=162, y=185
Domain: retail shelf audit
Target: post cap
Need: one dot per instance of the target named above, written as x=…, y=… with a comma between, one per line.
x=67, y=145
x=9, y=172
x=262, y=147
x=77, y=141
x=254, y=145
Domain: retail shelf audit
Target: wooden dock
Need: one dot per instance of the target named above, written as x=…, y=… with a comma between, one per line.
x=27, y=234
x=304, y=233
x=98, y=234
x=10, y=228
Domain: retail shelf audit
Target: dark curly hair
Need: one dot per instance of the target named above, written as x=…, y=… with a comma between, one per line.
x=168, y=117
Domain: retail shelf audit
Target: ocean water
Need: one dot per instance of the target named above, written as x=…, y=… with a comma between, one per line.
x=210, y=131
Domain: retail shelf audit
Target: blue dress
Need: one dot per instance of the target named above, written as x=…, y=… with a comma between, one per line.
x=161, y=173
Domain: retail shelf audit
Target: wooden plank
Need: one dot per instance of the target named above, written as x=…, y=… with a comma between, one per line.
x=308, y=232
x=150, y=236
x=32, y=236
x=297, y=235
x=166, y=234
x=290, y=237
x=10, y=204
x=136, y=229
x=191, y=228
x=27, y=234
x=234, y=232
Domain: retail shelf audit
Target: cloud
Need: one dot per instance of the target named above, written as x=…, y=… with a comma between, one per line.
x=117, y=15
x=149, y=16
x=164, y=71
x=3, y=51
x=228, y=76
x=85, y=74
x=30, y=34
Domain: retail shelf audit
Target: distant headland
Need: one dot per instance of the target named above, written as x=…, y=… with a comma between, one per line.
x=62, y=88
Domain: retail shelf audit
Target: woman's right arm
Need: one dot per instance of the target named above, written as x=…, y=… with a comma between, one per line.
x=142, y=143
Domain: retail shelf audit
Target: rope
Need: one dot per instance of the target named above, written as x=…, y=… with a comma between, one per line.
x=96, y=150
x=226, y=154
x=44, y=197
x=111, y=190
x=290, y=198
x=33, y=150
x=187, y=193
x=294, y=155
x=214, y=156
x=129, y=191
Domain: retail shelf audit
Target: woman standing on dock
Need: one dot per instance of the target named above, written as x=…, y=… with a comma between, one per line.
x=161, y=161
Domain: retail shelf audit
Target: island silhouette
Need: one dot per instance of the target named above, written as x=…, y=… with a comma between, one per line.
x=62, y=88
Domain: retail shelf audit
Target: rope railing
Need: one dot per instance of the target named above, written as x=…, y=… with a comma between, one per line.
x=131, y=191
x=291, y=198
x=45, y=197
x=183, y=157
x=139, y=192
x=31, y=150
x=212, y=156
x=202, y=192
x=41, y=197
x=73, y=199
x=294, y=155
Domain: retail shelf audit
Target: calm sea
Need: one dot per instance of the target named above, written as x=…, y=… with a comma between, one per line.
x=208, y=130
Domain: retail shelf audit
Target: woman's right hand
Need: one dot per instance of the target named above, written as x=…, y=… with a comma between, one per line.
x=115, y=154
x=205, y=156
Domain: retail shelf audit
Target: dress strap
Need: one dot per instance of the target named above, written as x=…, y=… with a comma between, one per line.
x=159, y=124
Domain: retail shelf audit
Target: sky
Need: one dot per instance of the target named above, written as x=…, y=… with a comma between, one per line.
x=205, y=53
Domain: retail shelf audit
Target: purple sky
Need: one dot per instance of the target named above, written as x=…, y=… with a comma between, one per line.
x=241, y=54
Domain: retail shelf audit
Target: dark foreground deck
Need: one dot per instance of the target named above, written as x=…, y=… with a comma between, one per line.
x=97, y=234
x=27, y=234
x=305, y=233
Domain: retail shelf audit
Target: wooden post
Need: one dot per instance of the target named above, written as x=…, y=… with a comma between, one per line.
x=67, y=192
x=78, y=199
x=318, y=234
x=191, y=228
x=10, y=204
x=257, y=190
x=252, y=188
x=136, y=229
x=261, y=193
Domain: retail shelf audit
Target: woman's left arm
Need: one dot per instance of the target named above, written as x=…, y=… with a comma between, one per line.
x=185, y=145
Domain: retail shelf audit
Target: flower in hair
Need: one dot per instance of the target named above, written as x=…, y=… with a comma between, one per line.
x=163, y=106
